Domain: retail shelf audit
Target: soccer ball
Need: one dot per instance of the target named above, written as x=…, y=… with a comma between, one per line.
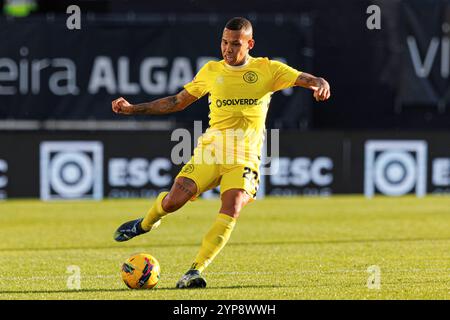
x=141, y=271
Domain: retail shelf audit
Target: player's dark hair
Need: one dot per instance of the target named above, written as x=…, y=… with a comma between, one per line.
x=239, y=23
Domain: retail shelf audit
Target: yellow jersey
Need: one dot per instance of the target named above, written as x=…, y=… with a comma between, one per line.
x=239, y=98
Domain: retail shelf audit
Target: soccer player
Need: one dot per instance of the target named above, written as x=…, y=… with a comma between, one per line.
x=239, y=89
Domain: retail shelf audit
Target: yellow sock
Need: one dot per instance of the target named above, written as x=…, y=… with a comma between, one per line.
x=155, y=213
x=214, y=241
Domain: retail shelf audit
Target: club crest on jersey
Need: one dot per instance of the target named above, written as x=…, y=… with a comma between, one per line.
x=188, y=168
x=250, y=77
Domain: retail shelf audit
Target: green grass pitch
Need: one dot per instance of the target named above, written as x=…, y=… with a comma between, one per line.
x=281, y=248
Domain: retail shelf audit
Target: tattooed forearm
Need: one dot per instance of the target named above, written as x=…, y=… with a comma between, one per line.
x=161, y=106
x=306, y=78
x=309, y=81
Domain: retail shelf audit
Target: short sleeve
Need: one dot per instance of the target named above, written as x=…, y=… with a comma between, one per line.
x=198, y=87
x=283, y=75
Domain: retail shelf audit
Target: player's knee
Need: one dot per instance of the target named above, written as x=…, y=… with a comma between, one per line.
x=232, y=202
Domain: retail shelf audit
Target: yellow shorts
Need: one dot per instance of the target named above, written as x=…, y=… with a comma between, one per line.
x=227, y=176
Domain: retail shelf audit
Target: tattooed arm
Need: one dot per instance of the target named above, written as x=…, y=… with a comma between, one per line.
x=319, y=85
x=161, y=106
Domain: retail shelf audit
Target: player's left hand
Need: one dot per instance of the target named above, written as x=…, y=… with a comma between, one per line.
x=322, y=92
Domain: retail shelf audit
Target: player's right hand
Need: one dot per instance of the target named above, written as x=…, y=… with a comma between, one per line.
x=121, y=105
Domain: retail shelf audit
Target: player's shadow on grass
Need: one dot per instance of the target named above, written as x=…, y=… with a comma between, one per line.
x=82, y=291
x=142, y=291
x=63, y=291
x=140, y=246
x=128, y=290
x=174, y=245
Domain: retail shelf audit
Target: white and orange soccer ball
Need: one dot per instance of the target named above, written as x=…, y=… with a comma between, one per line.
x=141, y=271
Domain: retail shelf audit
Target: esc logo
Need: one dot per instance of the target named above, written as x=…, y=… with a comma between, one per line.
x=71, y=170
x=395, y=167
